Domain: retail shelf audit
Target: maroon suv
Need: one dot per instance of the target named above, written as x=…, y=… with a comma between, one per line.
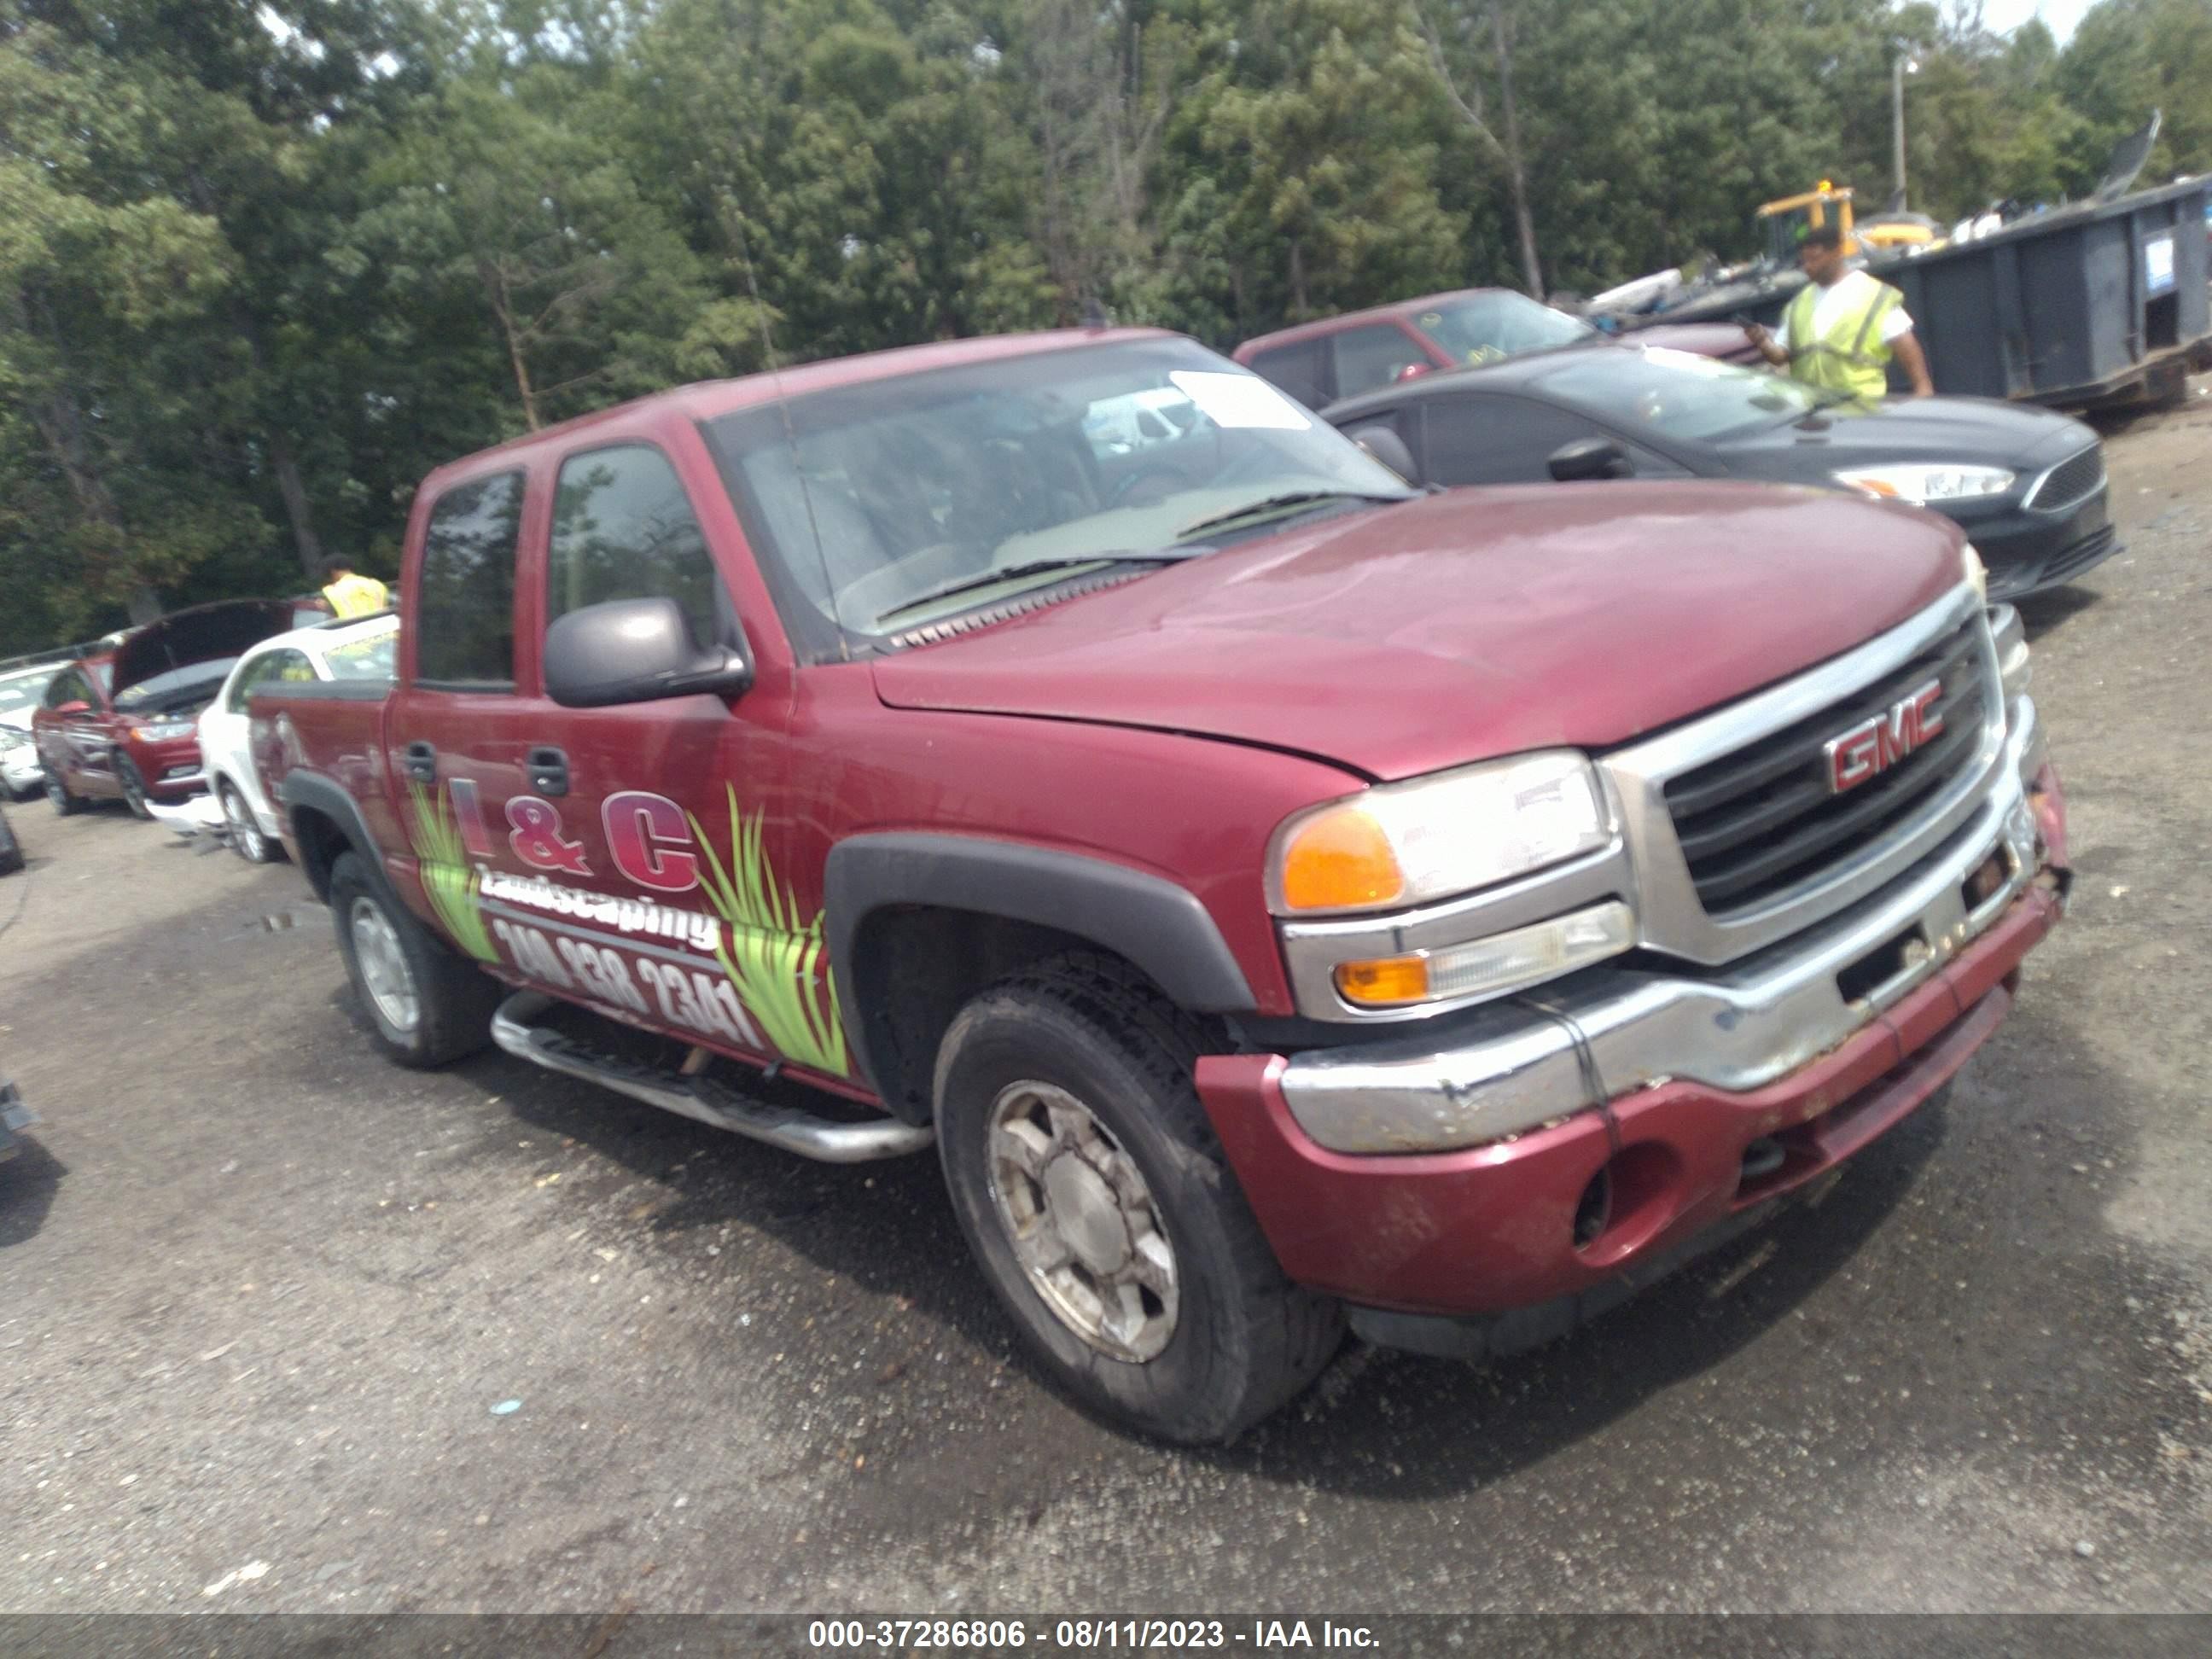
x=1363, y=351
x=125, y=724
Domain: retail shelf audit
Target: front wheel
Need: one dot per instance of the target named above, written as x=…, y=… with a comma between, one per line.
x=1090, y=1189
x=425, y=1004
x=134, y=787
x=245, y=837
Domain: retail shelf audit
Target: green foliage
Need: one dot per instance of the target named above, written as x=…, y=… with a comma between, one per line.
x=263, y=265
x=775, y=962
x=447, y=880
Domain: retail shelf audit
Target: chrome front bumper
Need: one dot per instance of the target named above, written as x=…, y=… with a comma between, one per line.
x=1563, y=1048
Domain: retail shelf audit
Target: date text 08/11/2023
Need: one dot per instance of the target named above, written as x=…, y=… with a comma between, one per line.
x=1084, y=1635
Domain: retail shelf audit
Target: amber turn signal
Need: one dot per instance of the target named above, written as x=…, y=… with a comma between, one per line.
x=1340, y=860
x=1391, y=983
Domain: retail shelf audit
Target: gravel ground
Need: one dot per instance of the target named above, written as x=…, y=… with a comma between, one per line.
x=260, y=1292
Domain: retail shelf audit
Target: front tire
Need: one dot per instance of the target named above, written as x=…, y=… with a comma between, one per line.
x=245, y=837
x=134, y=787
x=1090, y=1189
x=425, y=1005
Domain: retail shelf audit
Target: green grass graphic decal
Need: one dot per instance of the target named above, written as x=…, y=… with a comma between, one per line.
x=446, y=877
x=771, y=960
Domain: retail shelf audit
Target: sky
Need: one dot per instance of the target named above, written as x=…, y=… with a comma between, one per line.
x=2061, y=15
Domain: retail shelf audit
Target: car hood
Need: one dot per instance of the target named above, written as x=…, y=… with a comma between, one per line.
x=200, y=635
x=1971, y=429
x=1454, y=627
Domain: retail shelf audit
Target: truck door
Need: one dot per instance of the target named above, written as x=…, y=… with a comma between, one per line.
x=457, y=732
x=653, y=894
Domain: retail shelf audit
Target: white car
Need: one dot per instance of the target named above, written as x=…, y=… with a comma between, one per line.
x=20, y=689
x=343, y=650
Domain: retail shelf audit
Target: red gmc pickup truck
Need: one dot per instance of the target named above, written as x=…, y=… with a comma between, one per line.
x=1286, y=899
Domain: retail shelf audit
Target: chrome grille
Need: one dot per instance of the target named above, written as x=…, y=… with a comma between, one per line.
x=2074, y=479
x=1761, y=820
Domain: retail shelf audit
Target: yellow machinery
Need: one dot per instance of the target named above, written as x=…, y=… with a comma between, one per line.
x=1788, y=220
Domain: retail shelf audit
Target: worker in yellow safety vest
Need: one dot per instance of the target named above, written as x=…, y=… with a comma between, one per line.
x=351, y=595
x=1843, y=326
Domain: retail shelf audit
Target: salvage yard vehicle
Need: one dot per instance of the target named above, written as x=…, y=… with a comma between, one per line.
x=1359, y=351
x=1284, y=897
x=20, y=689
x=123, y=724
x=360, y=649
x=2027, y=485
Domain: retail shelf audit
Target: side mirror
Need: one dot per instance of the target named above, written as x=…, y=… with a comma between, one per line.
x=69, y=711
x=635, y=650
x=1387, y=447
x=1590, y=457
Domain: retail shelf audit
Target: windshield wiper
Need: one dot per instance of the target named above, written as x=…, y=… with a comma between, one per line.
x=1031, y=568
x=1268, y=504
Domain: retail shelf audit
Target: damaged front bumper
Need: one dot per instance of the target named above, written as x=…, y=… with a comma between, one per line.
x=1552, y=1147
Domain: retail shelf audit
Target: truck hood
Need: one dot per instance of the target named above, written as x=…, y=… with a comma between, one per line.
x=203, y=633
x=1454, y=627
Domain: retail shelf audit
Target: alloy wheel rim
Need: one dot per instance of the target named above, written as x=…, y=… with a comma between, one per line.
x=384, y=973
x=244, y=836
x=1082, y=1222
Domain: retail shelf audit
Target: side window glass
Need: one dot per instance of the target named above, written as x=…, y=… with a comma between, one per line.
x=623, y=529
x=1368, y=359
x=68, y=688
x=1296, y=369
x=465, y=595
x=1484, y=441
x=241, y=688
x=291, y=667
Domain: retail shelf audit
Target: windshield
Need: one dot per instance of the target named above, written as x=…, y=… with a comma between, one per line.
x=20, y=693
x=177, y=689
x=1001, y=478
x=1678, y=394
x=1484, y=327
x=368, y=657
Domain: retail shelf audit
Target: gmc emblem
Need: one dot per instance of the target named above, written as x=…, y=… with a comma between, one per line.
x=1872, y=746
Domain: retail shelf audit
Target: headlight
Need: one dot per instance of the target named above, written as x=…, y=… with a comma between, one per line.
x=166, y=730
x=1976, y=572
x=1924, y=484
x=1406, y=843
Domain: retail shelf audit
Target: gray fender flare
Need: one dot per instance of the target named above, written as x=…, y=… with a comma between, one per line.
x=317, y=793
x=1153, y=924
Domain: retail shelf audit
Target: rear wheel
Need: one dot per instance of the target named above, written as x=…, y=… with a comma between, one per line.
x=1090, y=1187
x=134, y=787
x=245, y=837
x=425, y=1004
x=58, y=792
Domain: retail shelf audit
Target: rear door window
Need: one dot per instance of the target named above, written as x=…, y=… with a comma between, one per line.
x=1368, y=359
x=623, y=529
x=1300, y=369
x=465, y=594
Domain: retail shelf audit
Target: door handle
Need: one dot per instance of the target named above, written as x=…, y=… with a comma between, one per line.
x=548, y=770
x=419, y=761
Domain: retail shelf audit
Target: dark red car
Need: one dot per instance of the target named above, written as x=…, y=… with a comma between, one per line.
x=1365, y=350
x=123, y=725
x=1282, y=897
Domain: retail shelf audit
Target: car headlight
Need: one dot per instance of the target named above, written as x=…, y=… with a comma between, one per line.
x=1405, y=843
x=166, y=730
x=1924, y=484
x=1492, y=966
